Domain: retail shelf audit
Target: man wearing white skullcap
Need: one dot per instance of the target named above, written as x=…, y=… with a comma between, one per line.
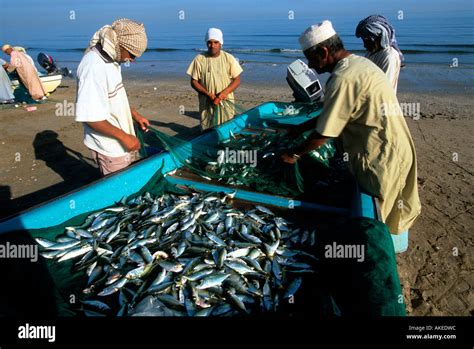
x=102, y=103
x=215, y=75
x=215, y=34
x=316, y=34
x=361, y=108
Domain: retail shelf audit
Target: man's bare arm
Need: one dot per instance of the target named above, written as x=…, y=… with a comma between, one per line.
x=196, y=85
x=140, y=119
x=229, y=89
x=313, y=142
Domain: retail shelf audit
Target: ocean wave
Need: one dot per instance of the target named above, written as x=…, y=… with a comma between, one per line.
x=160, y=49
x=290, y=52
x=444, y=45
x=55, y=49
x=300, y=52
x=424, y=52
x=81, y=49
x=263, y=50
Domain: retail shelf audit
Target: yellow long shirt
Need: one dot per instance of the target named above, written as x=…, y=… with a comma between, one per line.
x=361, y=107
x=215, y=74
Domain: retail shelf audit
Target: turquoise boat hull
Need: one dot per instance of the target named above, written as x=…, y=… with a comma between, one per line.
x=107, y=191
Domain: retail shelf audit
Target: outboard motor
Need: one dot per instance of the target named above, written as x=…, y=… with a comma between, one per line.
x=49, y=64
x=304, y=82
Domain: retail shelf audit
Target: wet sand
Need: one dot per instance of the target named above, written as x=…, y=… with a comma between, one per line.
x=42, y=156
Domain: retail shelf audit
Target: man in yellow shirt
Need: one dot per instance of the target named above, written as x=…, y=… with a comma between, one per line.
x=215, y=75
x=362, y=109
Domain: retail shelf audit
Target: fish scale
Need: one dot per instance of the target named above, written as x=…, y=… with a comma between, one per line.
x=198, y=255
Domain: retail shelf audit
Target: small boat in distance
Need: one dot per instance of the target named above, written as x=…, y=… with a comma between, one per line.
x=50, y=82
x=53, y=76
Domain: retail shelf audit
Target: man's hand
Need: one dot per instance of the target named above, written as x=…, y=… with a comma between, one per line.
x=142, y=122
x=211, y=96
x=314, y=141
x=140, y=119
x=223, y=95
x=216, y=101
x=287, y=158
x=131, y=143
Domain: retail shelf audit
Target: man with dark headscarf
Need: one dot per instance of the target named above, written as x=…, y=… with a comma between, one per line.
x=102, y=103
x=382, y=47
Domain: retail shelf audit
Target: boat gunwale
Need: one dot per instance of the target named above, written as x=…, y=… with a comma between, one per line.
x=360, y=205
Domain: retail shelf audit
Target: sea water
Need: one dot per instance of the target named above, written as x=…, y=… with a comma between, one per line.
x=438, y=46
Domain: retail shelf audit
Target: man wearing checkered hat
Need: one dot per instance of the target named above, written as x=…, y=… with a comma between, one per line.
x=102, y=103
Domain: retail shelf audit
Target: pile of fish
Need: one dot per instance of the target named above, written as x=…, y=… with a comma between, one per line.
x=267, y=173
x=185, y=255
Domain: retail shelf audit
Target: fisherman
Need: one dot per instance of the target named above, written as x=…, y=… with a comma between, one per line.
x=6, y=92
x=215, y=75
x=362, y=109
x=23, y=50
x=381, y=44
x=102, y=104
x=27, y=72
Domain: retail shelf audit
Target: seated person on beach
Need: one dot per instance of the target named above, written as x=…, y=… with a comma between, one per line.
x=215, y=75
x=382, y=47
x=102, y=104
x=379, y=146
x=27, y=72
x=6, y=94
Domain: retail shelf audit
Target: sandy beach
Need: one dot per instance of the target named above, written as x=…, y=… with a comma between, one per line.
x=42, y=157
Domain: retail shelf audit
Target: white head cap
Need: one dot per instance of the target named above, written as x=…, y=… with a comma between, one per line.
x=215, y=34
x=316, y=34
x=5, y=47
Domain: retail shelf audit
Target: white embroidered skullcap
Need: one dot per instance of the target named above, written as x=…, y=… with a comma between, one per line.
x=316, y=34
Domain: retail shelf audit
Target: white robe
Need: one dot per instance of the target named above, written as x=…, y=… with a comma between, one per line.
x=388, y=60
x=6, y=91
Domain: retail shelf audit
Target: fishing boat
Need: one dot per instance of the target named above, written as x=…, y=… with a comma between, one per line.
x=50, y=82
x=111, y=189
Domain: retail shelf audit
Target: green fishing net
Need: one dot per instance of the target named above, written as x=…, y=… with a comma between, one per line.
x=239, y=162
x=46, y=288
x=247, y=159
x=366, y=285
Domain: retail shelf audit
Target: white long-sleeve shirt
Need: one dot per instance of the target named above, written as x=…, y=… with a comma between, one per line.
x=388, y=60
